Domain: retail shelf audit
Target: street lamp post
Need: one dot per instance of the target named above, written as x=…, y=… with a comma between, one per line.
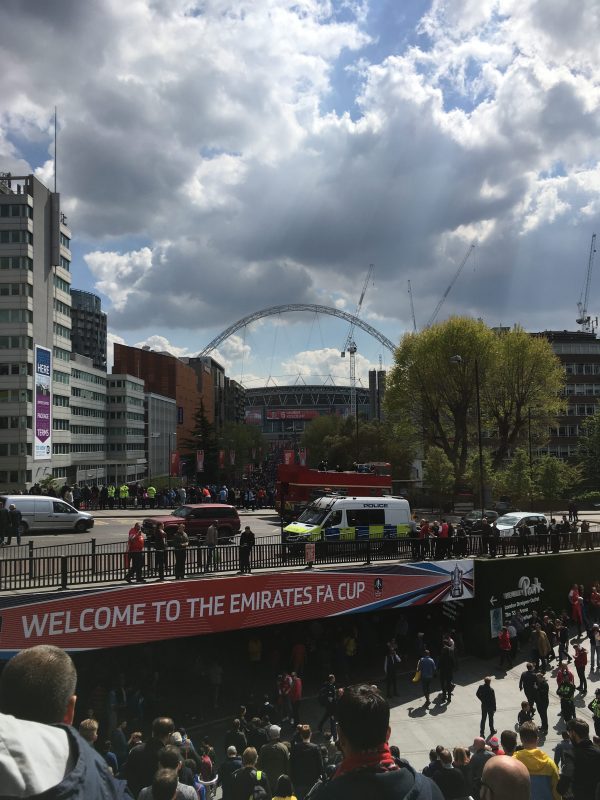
x=459, y=360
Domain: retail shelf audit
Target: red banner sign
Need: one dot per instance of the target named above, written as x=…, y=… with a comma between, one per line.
x=221, y=459
x=174, y=466
x=254, y=416
x=293, y=413
x=302, y=456
x=288, y=456
x=134, y=614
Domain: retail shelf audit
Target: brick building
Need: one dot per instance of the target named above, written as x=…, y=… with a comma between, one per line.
x=165, y=375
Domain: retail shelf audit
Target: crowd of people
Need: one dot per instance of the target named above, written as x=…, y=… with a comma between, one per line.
x=440, y=539
x=253, y=494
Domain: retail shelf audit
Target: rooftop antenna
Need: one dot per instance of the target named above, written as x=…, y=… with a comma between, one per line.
x=55, y=141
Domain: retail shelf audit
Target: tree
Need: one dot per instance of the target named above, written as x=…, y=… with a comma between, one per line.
x=204, y=437
x=436, y=391
x=522, y=394
x=334, y=440
x=554, y=478
x=588, y=450
x=242, y=439
x=316, y=437
x=473, y=473
x=438, y=473
x=516, y=479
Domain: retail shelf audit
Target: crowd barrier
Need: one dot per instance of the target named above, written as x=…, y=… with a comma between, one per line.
x=88, y=563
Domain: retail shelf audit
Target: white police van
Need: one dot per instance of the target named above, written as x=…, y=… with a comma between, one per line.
x=337, y=519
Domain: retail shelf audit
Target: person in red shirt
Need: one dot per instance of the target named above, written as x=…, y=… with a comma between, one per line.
x=135, y=550
x=580, y=662
x=295, y=697
x=505, y=647
x=564, y=674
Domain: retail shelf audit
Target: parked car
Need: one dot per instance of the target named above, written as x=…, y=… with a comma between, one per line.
x=197, y=518
x=43, y=513
x=475, y=516
x=508, y=522
x=503, y=505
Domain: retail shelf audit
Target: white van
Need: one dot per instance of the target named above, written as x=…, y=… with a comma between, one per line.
x=43, y=513
x=334, y=519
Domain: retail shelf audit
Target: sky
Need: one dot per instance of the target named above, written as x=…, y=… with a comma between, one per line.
x=219, y=157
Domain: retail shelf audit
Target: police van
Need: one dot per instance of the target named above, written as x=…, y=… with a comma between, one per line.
x=338, y=519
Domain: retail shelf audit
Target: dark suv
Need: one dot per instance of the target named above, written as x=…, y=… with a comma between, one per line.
x=196, y=518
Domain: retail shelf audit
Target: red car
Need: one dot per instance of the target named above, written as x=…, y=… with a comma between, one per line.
x=196, y=518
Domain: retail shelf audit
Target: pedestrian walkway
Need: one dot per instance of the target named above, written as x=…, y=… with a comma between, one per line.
x=416, y=729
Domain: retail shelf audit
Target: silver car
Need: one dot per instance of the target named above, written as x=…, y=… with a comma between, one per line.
x=507, y=523
x=43, y=513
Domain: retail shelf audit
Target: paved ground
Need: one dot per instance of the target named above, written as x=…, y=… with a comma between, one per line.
x=416, y=729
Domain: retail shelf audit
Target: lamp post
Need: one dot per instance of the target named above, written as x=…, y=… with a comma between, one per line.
x=459, y=360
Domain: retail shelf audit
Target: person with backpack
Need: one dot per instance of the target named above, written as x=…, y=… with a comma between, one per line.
x=246, y=779
x=368, y=769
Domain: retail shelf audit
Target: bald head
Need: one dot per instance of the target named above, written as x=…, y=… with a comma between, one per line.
x=38, y=684
x=505, y=778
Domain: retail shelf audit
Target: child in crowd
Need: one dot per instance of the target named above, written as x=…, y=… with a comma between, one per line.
x=525, y=714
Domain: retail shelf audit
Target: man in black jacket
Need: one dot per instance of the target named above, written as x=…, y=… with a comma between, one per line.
x=232, y=763
x=248, y=777
x=586, y=757
x=487, y=697
x=4, y=523
x=369, y=769
x=306, y=763
x=143, y=760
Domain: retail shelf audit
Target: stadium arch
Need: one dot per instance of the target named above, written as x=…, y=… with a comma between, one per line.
x=316, y=309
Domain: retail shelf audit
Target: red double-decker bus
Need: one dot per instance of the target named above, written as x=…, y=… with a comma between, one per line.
x=297, y=486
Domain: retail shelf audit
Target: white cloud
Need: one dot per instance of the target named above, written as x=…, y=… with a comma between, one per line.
x=111, y=340
x=203, y=169
x=119, y=274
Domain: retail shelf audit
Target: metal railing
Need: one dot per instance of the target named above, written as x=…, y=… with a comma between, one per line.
x=108, y=563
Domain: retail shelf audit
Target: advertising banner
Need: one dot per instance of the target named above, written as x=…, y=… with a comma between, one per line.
x=42, y=446
x=82, y=620
x=221, y=459
x=302, y=456
x=293, y=413
x=254, y=416
x=288, y=456
x=232, y=457
x=174, y=464
x=199, y=460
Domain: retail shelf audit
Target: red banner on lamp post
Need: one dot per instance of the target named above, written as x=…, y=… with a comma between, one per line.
x=174, y=464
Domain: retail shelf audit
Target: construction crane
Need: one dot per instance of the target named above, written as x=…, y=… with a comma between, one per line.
x=350, y=344
x=584, y=319
x=412, y=307
x=433, y=317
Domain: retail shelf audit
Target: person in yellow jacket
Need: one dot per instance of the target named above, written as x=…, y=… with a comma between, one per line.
x=110, y=493
x=542, y=770
x=151, y=492
x=124, y=495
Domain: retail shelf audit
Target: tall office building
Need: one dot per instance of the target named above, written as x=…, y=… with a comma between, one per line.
x=88, y=327
x=35, y=333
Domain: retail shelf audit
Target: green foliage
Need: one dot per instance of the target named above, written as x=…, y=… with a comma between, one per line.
x=334, y=440
x=438, y=473
x=588, y=450
x=554, y=478
x=588, y=497
x=435, y=394
x=515, y=480
x=48, y=482
x=521, y=392
x=204, y=437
